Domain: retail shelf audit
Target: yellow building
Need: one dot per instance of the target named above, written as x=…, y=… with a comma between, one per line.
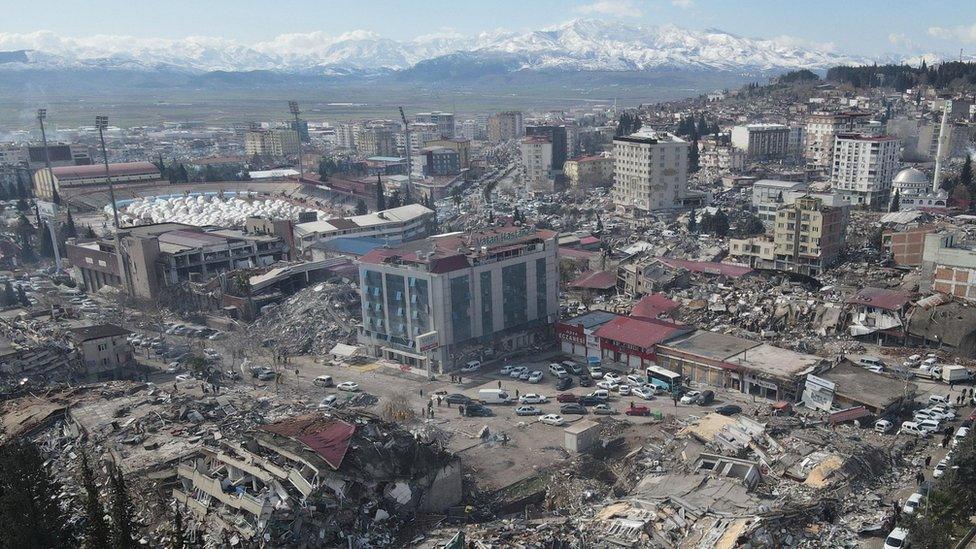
x=589, y=171
x=808, y=235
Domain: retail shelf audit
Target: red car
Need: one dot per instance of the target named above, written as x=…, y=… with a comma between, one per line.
x=566, y=397
x=638, y=410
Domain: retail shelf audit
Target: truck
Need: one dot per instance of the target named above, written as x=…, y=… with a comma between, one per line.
x=494, y=396
x=955, y=374
x=933, y=372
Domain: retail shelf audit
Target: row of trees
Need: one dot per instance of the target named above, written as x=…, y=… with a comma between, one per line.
x=944, y=512
x=962, y=188
x=902, y=77
x=716, y=224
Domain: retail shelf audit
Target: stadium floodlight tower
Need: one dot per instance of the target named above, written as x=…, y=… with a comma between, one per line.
x=293, y=108
x=101, y=124
x=48, y=209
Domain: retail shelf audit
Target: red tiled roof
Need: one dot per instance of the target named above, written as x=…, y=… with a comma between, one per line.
x=329, y=438
x=652, y=305
x=881, y=298
x=596, y=280
x=637, y=332
x=707, y=267
x=98, y=170
x=587, y=240
x=565, y=252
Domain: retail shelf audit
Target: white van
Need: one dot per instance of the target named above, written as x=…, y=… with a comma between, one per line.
x=871, y=361
x=939, y=399
x=912, y=428
x=883, y=426
x=494, y=396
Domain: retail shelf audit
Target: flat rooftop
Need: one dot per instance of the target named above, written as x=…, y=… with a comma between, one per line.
x=774, y=361
x=711, y=345
x=858, y=384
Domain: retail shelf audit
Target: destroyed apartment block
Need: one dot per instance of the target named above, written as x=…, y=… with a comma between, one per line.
x=324, y=469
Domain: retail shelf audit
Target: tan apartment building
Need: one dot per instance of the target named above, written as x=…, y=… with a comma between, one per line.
x=505, y=126
x=589, y=171
x=951, y=264
x=650, y=171
x=275, y=143
x=808, y=235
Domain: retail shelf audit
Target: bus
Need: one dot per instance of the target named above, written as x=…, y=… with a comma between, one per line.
x=663, y=378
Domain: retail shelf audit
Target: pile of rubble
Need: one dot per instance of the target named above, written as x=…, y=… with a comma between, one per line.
x=312, y=321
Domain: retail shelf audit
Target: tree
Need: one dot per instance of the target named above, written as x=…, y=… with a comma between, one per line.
x=692, y=221
x=456, y=196
x=69, y=230
x=90, y=232
x=24, y=231
x=395, y=200
x=705, y=223
x=380, y=195
x=960, y=197
x=29, y=499
x=121, y=512
x=21, y=192
x=96, y=530
x=44, y=236
x=22, y=205
x=966, y=175
x=9, y=295
x=22, y=297
x=599, y=225
x=491, y=216
x=895, y=202
x=361, y=208
x=720, y=223
x=693, y=161
x=324, y=170
x=182, y=175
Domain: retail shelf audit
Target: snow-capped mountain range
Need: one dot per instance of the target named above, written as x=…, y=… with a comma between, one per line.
x=579, y=45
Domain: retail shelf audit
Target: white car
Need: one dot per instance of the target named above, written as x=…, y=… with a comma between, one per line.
x=940, y=468
x=596, y=372
x=517, y=371
x=323, y=381
x=350, y=386
x=552, y=419
x=533, y=398
x=635, y=380
x=962, y=433
x=507, y=369
x=875, y=369
x=896, y=538
x=646, y=393
x=471, y=366
x=610, y=376
x=535, y=377
x=690, y=397
x=624, y=390
x=911, y=504
x=607, y=384
x=182, y=377
x=929, y=425
x=328, y=402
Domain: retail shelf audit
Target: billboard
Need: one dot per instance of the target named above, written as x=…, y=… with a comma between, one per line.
x=426, y=342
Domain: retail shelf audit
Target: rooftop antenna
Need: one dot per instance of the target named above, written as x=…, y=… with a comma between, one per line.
x=293, y=108
x=409, y=149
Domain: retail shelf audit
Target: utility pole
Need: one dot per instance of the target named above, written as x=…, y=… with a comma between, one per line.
x=51, y=208
x=293, y=107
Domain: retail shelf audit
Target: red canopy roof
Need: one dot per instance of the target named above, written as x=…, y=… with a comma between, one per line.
x=653, y=305
x=639, y=333
x=708, y=267
x=879, y=297
x=595, y=280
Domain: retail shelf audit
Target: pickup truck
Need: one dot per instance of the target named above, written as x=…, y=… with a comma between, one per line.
x=928, y=373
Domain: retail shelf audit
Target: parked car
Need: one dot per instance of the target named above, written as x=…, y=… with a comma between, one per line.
x=638, y=410
x=557, y=370
x=350, y=386
x=527, y=411
x=601, y=394
x=533, y=398
x=896, y=539
x=911, y=504
x=564, y=383
x=912, y=428
x=603, y=410
x=573, y=367
x=182, y=377
x=612, y=376
x=536, y=377
x=517, y=371
x=552, y=419
x=607, y=384
x=690, y=397
x=961, y=434
x=623, y=390
x=173, y=368
x=477, y=410
x=596, y=372
x=940, y=468
x=588, y=400
x=566, y=397
x=524, y=376
x=706, y=397
x=585, y=380
x=883, y=426
x=728, y=410
x=457, y=398
x=635, y=380
x=267, y=375
x=507, y=369
x=572, y=408
x=471, y=366
x=323, y=381
x=646, y=393
x=328, y=402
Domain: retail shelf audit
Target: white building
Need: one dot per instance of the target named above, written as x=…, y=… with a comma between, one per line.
x=444, y=121
x=396, y=225
x=537, y=162
x=650, y=171
x=863, y=167
x=275, y=143
x=821, y=127
x=762, y=141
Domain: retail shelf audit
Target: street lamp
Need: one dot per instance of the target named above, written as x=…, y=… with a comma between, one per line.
x=101, y=124
x=293, y=108
x=50, y=208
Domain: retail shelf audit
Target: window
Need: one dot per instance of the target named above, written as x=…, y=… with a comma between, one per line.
x=103, y=346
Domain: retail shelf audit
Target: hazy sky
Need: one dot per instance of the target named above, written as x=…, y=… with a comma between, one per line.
x=867, y=27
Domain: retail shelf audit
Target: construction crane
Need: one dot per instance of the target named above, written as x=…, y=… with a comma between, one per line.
x=407, y=146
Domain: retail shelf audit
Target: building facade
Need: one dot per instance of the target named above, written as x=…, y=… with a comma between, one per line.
x=821, y=127
x=762, y=141
x=808, y=236
x=274, y=143
x=434, y=303
x=505, y=126
x=444, y=121
x=394, y=226
x=864, y=167
x=537, y=163
x=950, y=264
x=589, y=171
x=650, y=171
x=104, y=351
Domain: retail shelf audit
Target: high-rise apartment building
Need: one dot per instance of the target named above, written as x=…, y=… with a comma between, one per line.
x=537, y=153
x=821, y=127
x=556, y=136
x=650, y=171
x=808, y=236
x=505, y=126
x=762, y=141
x=428, y=303
x=275, y=142
x=863, y=167
x=444, y=121
x=377, y=141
